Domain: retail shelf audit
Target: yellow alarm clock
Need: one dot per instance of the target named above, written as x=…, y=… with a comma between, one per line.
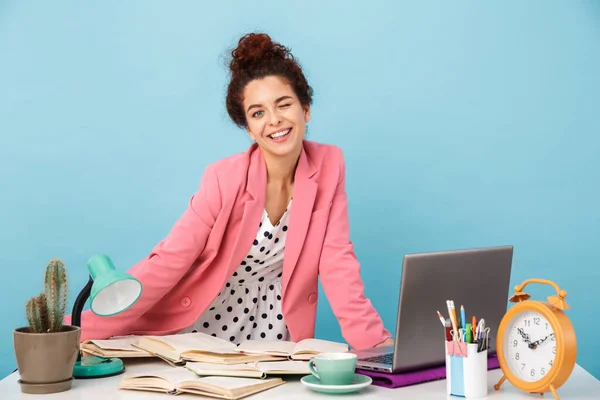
x=536, y=344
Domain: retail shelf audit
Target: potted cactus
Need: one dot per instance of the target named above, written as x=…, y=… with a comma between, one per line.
x=46, y=350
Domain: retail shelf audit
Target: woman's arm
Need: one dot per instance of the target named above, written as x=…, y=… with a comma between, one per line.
x=387, y=342
x=167, y=263
x=339, y=270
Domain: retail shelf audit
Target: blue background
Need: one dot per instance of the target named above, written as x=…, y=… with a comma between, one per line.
x=463, y=124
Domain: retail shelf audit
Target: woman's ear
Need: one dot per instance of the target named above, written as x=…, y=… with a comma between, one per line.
x=306, y=114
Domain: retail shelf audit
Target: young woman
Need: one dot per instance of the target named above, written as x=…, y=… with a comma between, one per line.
x=243, y=260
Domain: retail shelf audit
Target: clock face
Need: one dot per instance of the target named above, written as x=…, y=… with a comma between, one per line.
x=529, y=346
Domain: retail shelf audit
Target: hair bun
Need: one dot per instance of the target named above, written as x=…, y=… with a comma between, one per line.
x=256, y=48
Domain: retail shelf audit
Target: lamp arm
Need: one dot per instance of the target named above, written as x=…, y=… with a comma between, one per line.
x=82, y=297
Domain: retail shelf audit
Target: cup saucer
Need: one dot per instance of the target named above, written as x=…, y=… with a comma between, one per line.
x=358, y=382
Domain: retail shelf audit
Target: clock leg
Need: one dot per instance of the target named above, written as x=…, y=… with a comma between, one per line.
x=554, y=392
x=497, y=385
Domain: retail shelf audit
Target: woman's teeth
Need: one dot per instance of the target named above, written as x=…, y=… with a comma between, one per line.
x=279, y=134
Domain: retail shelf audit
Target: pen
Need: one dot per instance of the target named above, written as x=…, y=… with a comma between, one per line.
x=447, y=328
x=480, y=328
x=441, y=318
x=463, y=320
x=474, y=326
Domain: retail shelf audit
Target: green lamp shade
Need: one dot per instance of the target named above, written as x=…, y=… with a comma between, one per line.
x=113, y=291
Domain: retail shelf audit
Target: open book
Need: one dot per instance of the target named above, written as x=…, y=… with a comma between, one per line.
x=121, y=347
x=197, y=346
x=302, y=350
x=260, y=369
x=180, y=380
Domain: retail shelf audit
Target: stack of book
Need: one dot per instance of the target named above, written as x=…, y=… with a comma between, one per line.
x=210, y=366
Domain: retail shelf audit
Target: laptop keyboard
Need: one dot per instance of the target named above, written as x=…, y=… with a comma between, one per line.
x=381, y=359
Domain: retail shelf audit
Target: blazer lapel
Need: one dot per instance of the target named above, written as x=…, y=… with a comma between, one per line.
x=256, y=186
x=305, y=190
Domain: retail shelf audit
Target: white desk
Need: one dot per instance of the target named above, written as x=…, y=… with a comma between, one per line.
x=580, y=386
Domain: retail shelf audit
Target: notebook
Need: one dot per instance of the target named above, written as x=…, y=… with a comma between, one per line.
x=197, y=346
x=180, y=380
x=303, y=350
x=260, y=369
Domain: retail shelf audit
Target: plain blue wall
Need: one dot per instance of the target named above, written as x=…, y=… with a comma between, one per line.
x=463, y=124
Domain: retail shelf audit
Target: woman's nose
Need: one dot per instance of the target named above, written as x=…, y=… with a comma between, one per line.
x=274, y=118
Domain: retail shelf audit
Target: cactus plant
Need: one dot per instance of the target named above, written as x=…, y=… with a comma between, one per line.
x=56, y=293
x=45, y=313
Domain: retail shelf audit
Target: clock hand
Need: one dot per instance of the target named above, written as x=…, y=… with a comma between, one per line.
x=540, y=341
x=524, y=335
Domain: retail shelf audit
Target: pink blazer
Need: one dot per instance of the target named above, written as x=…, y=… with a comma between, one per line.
x=184, y=273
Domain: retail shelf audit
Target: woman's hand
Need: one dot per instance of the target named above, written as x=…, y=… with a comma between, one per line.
x=387, y=342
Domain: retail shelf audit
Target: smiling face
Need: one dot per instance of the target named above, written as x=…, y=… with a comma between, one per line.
x=276, y=120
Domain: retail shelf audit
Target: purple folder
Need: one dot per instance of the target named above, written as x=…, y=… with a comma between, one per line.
x=413, y=377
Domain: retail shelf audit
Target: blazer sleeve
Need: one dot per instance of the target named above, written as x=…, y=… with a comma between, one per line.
x=167, y=262
x=339, y=270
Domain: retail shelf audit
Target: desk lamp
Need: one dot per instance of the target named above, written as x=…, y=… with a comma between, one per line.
x=110, y=292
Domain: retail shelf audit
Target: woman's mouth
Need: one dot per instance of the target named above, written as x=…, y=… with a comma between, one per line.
x=280, y=136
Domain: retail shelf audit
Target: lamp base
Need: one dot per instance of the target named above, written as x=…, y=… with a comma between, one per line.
x=97, y=367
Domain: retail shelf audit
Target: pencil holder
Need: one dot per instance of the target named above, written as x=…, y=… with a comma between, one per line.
x=466, y=370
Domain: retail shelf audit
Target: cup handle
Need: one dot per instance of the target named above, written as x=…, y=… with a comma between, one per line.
x=311, y=368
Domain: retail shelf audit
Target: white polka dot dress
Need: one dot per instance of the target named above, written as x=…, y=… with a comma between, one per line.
x=249, y=306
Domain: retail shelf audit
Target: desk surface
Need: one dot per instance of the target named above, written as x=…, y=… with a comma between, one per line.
x=581, y=386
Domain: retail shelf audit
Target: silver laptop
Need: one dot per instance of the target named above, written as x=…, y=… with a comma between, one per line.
x=478, y=279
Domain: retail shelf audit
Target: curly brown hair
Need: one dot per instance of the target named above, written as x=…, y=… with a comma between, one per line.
x=255, y=57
